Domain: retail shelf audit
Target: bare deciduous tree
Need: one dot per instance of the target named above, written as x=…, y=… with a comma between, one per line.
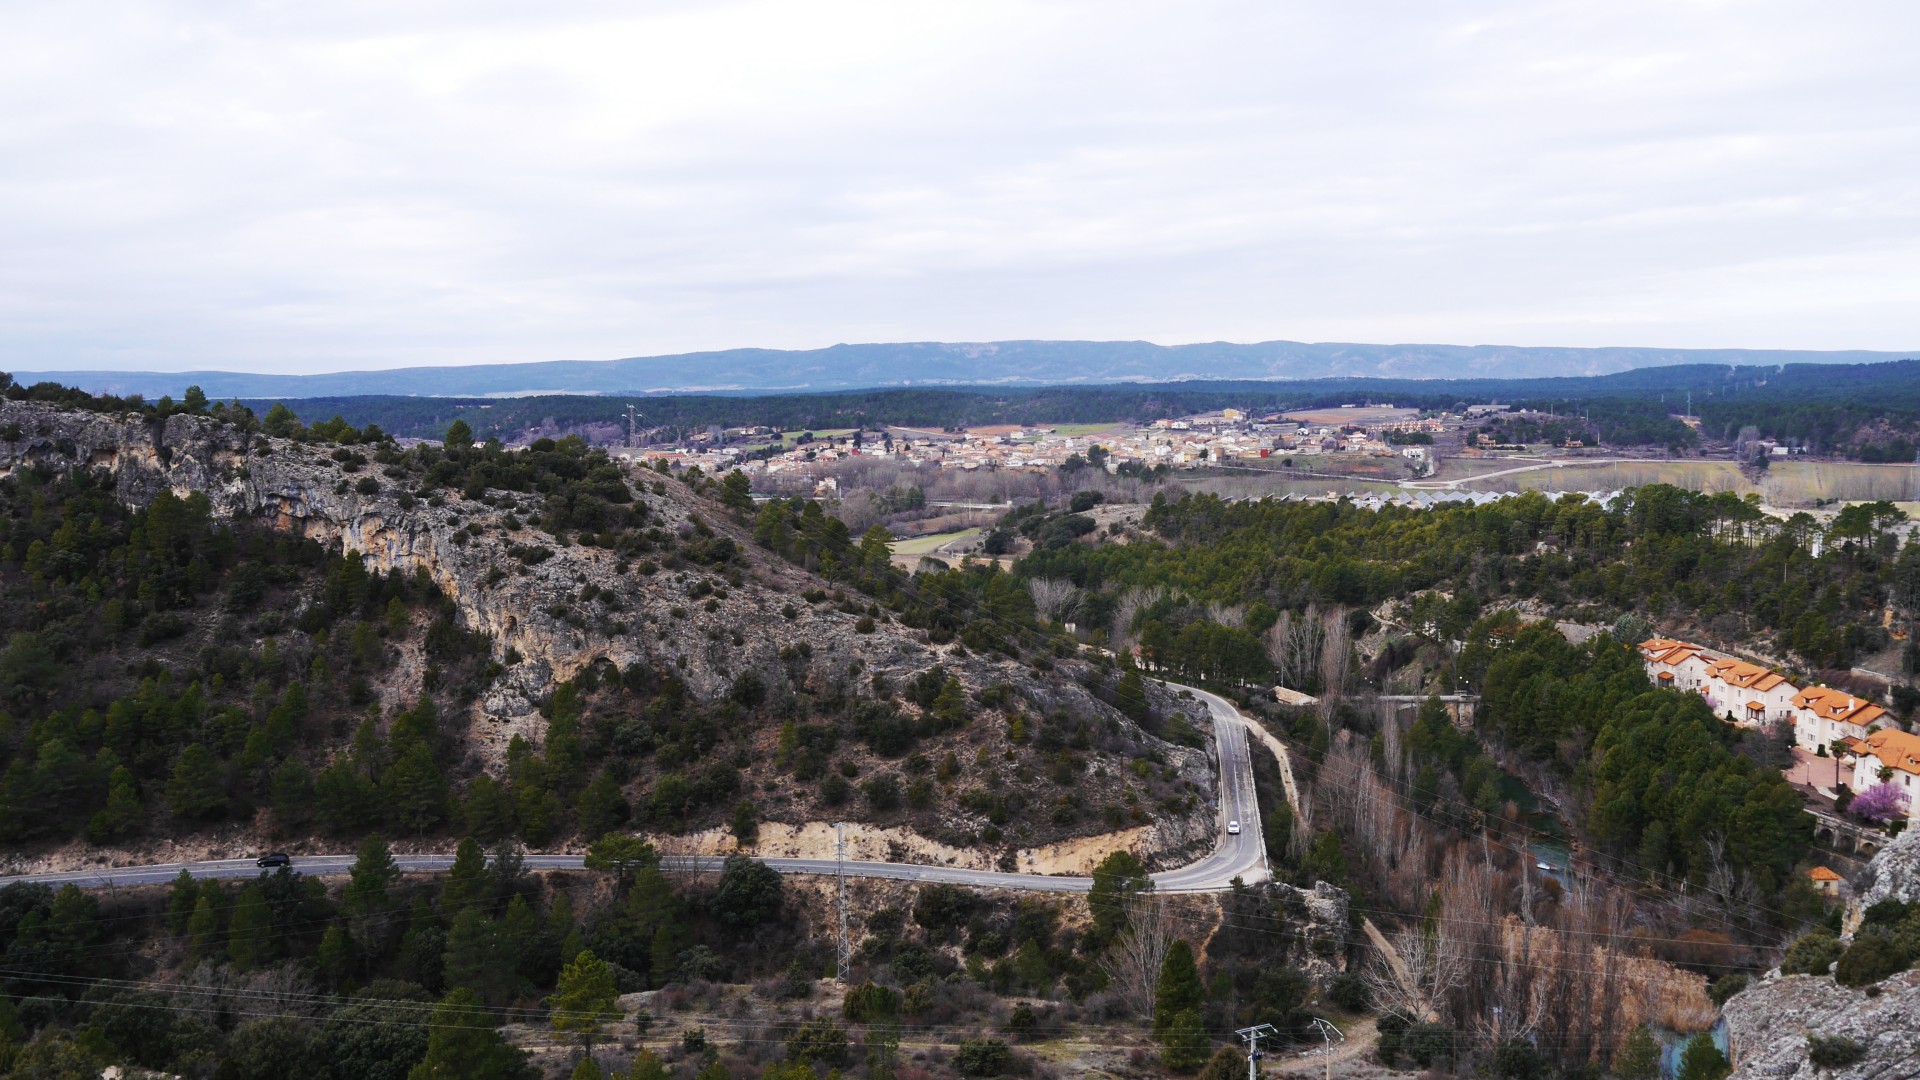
x=1053, y=598
x=1420, y=975
x=1293, y=644
x=1135, y=959
x=1336, y=660
x=1128, y=607
x=1227, y=614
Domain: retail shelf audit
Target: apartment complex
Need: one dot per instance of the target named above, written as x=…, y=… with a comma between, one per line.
x=1823, y=718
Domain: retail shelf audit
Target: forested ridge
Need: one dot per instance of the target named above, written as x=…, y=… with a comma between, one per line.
x=1819, y=405
x=1714, y=564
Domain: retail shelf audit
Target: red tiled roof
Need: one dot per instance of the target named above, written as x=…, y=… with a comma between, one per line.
x=1830, y=704
x=1895, y=749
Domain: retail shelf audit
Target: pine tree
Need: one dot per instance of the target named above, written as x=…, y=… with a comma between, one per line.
x=181, y=902
x=1116, y=881
x=1702, y=1060
x=123, y=810
x=415, y=791
x=582, y=1003
x=1179, y=990
x=250, y=931
x=561, y=929
x=203, y=929
x=423, y=947
x=1132, y=692
x=462, y=1044
x=663, y=956
x=466, y=884
x=1639, y=1057
x=373, y=873
x=745, y=824
x=488, y=810
x=622, y=855
x=195, y=789
x=951, y=704
x=1183, y=1045
x=647, y=1066
x=334, y=957
x=291, y=793
x=397, y=619
x=344, y=799
x=602, y=807
x=478, y=956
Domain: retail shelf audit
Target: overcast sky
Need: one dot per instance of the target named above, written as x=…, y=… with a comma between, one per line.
x=297, y=187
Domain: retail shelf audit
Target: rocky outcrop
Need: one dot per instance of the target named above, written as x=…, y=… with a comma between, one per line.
x=548, y=619
x=1768, y=1027
x=1894, y=874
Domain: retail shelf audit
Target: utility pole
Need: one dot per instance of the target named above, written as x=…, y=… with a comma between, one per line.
x=840, y=872
x=1253, y=1035
x=1328, y=1033
x=632, y=418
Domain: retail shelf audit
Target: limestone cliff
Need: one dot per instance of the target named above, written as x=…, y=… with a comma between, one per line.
x=1768, y=1025
x=581, y=606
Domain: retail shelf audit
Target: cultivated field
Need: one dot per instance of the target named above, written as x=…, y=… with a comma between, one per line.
x=927, y=545
x=1786, y=484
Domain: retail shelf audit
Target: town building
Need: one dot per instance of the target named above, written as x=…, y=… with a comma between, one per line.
x=1747, y=694
x=1894, y=751
x=1824, y=717
x=1826, y=880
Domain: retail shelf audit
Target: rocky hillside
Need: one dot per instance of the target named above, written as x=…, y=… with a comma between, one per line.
x=552, y=610
x=1769, y=1027
x=1777, y=1029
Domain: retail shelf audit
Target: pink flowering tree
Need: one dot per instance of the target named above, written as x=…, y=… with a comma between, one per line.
x=1880, y=804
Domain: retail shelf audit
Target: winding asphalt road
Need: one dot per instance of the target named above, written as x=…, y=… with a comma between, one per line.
x=1240, y=856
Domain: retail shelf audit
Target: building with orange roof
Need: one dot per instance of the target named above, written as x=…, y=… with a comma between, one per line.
x=1826, y=880
x=1895, y=751
x=1745, y=693
x=1675, y=665
x=1824, y=716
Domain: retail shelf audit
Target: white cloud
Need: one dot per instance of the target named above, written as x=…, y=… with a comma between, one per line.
x=289, y=188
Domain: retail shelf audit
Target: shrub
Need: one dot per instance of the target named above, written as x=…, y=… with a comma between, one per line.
x=1428, y=1044
x=1874, y=956
x=870, y=1002
x=1349, y=991
x=1834, y=1051
x=1022, y=1023
x=835, y=789
x=818, y=1040
x=984, y=1057
x=1812, y=954
x=1725, y=987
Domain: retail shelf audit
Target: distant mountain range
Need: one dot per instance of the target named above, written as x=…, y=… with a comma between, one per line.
x=1010, y=363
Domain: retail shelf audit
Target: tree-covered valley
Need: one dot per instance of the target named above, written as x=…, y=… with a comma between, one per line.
x=227, y=634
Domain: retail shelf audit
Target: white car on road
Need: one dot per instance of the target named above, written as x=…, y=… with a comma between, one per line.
x=1233, y=828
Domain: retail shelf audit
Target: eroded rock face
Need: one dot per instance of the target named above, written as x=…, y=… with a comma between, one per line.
x=1767, y=1027
x=537, y=619
x=1894, y=874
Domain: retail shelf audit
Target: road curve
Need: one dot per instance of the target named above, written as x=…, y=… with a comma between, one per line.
x=1240, y=856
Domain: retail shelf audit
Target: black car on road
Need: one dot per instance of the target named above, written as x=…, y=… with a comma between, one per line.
x=276, y=858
